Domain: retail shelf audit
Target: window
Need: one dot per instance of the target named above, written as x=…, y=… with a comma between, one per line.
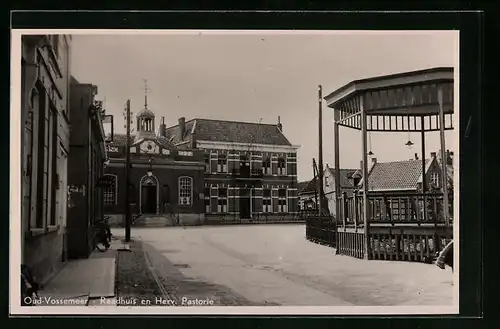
x=110, y=191
x=266, y=166
x=281, y=166
x=185, y=191
x=207, y=164
x=326, y=181
x=435, y=179
x=186, y=153
x=266, y=201
x=206, y=192
x=282, y=200
x=222, y=200
x=222, y=163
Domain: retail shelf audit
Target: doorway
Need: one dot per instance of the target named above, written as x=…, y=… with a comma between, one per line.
x=245, y=211
x=149, y=195
x=148, y=201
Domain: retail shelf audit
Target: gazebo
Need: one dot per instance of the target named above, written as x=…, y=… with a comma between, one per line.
x=367, y=227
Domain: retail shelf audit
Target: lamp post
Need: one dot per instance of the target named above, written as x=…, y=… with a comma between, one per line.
x=127, y=174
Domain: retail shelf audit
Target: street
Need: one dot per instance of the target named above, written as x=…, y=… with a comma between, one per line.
x=276, y=265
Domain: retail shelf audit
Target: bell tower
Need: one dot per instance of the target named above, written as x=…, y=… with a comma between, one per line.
x=145, y=119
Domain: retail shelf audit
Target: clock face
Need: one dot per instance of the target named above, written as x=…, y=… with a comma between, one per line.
x=148, y=147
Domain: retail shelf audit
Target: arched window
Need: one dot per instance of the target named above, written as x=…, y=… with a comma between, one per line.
x=110, y=192
x=185, y=191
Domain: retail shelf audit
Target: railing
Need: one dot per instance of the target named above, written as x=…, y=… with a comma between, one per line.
x=392, y=209
x=321, y=230
x=401, y=226
x=256, y=218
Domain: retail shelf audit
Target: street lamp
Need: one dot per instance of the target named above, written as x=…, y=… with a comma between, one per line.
x=150, y=170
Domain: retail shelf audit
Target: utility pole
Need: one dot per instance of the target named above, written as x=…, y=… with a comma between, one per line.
x=320, y=154
x=127, y=174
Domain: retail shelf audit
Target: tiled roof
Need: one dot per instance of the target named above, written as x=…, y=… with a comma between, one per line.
x=397, y=175
x=229, y=131
x=121, y=140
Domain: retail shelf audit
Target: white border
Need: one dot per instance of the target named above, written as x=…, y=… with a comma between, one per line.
x=15, y=200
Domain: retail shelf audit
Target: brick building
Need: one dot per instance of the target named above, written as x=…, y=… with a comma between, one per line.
x=250, y=169
x=45, y=145
x=166, y=182
x=86, y=161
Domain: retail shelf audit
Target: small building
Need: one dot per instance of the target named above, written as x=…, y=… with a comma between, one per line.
x=166, y=181
x=85, y=168
x=309, y=193
x=250, y=169
x=45, y=145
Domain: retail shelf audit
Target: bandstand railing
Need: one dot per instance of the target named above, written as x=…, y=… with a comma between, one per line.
x=407, y=227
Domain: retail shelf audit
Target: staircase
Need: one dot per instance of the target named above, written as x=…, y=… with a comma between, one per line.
x=154, y=221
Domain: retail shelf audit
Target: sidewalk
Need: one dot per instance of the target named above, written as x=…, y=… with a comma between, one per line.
x=85, y=281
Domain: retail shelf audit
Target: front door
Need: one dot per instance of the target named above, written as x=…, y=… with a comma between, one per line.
x=245, y=211
x=148, y=199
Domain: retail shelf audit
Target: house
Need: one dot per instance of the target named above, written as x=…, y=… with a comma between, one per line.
x=45, y=145
x=401, y=180
x=85, y=168
x=250, y=169
x=166, y=181
x=403, y=176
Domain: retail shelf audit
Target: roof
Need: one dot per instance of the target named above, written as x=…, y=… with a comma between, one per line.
x=309, y=187
x=397, y=175
x=146, y=113
x=229, y=131
x=345, y=176
x=121, y=141
x=302, y=185
x=425, y=74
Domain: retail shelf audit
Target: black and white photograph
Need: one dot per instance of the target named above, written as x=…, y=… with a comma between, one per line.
x=234, y=172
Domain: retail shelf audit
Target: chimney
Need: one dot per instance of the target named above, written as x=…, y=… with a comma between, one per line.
x=361, y=165
x=279, y=125
x=193, y=140
x=433, y=155
x=416, y=156
x=374, y=161
x=182, y=127
x=163, y=128
x=449, y=158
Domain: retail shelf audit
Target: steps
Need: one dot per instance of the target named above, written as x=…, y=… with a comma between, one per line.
x=154, y=221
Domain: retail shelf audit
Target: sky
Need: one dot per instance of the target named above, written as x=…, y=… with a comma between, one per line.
x=261, y=75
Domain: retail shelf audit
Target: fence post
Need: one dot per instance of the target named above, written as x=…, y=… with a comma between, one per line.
x=343, y=207
x=356, y=208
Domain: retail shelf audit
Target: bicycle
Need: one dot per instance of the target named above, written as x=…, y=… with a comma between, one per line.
x=102, y=235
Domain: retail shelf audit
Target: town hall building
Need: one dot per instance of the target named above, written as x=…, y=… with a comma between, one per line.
x=166, y=183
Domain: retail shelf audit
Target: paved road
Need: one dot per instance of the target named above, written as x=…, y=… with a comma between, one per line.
x=276, y=265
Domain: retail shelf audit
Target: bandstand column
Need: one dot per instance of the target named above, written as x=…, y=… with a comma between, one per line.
x=444, y=174
x=365, y=176
x=336, y=116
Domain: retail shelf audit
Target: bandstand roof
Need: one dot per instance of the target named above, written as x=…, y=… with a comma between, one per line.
x=398, y=102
